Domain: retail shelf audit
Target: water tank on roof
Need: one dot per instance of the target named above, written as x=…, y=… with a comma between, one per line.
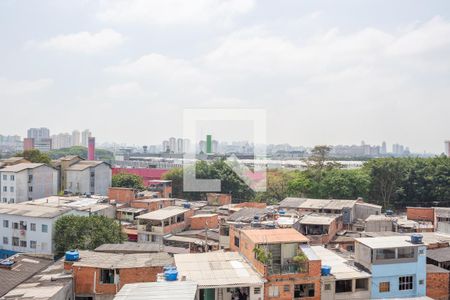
x=6, y=263
x=171, y=274
x=389, y=212
x=186, y=205
x=281, y=211
x=416, y=238
x=325, y=270
x=72, y=255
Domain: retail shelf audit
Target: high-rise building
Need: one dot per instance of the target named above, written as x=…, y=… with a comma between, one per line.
x=383, y=149
x=76, y=138
x=180, y=147
x=186, y=145
x=447, y=148
x=38, y=133
x=165, y=146
x=173, y=145
x=209, y=143
x=85, y=135
x=62, y=140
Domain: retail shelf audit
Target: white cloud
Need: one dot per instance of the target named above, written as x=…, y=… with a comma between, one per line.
x=84, y=42
x=10, y=88
x=169, y=12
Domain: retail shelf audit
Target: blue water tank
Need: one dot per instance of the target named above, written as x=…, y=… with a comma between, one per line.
x=325, y=270
x=389, y=212
x=416, y=238
x=171, y=274
x=6, y=263
x=186, y=205
x=282, y=212
x=72, y=255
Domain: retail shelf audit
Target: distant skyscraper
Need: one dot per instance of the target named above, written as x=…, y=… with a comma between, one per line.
x=62, y=140
x=76, y=138
x=383, y=149
x=165, y=146
x=209, y=143
x=186, y=145
x=447, y=148
x=173, y=145
x=85, y=135
x=38, y=133
x=180, y=147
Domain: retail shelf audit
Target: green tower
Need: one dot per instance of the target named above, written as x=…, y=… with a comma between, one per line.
x=208, y=143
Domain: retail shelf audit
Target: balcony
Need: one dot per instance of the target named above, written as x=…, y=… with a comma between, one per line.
x=288, y=268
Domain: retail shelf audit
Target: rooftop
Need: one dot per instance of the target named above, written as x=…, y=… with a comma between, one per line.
x=305, y=203
x=21, y=167
x=132, y=247
x=35, y=211
x=247, y=214
x=84, y=164
x=387, y=242
x=275, y=236
x=340, y=267
x=24, y=267
x=318, y=219
x=93, y=203
x=203, y=216
x=180, y=290
x=163, y=213
x=435, y=269
x=121, y=261
x=217, y=269
x=439, y=255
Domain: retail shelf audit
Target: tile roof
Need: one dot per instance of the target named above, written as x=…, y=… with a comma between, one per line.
x=21, y=167
x=217, y=269
x=84, y=164
x=275, y=236
x=24, y=267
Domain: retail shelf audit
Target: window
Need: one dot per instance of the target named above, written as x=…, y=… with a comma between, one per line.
x=5, y=188
x=405, y=283
x=421, y=281
x=273, y=291
x=5, y=177
x=11, y=189
x=15, y=225
x=327, y=287
x=5, y=199
x=33, y=226
x=107, y=276
x=236, y=241
x=304, y=290
x=343, y=286
x=11, y=177
x=23, y=225
x=44, y=228
x=30, y=188
x=286, y=288
x=385, y=254
x=23, y=244
x=5, y=223
x=30, y=178
x=350, y=248
x=384, y=287
x=362, y=284
x=407, y=252
x=33, y=244
x=5, y=240
x=15, y=241
x=257, y=290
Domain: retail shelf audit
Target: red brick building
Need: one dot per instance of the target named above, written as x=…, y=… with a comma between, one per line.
x=420, y=214
x=202, y=221
x=438, y=282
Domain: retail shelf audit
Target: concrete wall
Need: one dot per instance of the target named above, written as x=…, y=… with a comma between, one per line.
x=79, y=182
x=103, y=177
x=363, y=210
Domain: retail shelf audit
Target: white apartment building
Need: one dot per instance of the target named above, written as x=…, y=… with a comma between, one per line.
x=88, y=177
x=27, y=181
x=28, y=228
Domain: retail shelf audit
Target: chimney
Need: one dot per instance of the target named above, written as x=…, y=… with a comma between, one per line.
x=91, y=148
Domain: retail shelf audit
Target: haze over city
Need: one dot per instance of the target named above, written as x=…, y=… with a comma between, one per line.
x=124, y=69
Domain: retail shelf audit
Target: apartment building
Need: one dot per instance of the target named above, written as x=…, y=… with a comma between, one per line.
x=397, y=265
x=27, y=181
x=28, y=228
x=88, y=177
x=291, y=270
x=154, y=225
x=320, y=228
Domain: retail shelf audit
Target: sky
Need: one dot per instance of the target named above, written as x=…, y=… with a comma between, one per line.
x=325, y=72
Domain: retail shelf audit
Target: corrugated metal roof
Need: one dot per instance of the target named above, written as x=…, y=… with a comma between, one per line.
x=439, y=255
x=275, y=236
x=217, y=269
x=180, y=290
x=435, y=269
x=318, y=219
x=305, y=203
x=118, y=261
x=163, y=213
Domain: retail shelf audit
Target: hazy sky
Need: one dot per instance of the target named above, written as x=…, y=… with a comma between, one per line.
x=327, y=72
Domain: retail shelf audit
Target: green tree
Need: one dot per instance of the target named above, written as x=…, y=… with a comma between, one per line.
x=34, y=156
x=345, y=184
x=128, y=181
x=86, y=233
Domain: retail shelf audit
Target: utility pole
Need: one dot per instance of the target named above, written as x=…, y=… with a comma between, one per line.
x=206, y=236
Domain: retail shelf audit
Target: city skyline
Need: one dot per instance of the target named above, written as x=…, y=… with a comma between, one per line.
x=330, y=79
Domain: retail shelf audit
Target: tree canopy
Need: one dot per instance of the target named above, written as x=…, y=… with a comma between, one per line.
x=34, y=156
x=86, y=233
x=128, y=181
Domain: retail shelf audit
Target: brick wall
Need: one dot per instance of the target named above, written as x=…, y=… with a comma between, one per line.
x=420, y=214
x=438, y=285
x=218, y=199
x=252, y=205
x=121, y=194
x=200, y=222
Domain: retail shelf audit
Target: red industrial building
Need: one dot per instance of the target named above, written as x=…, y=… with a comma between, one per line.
x=147, y=174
